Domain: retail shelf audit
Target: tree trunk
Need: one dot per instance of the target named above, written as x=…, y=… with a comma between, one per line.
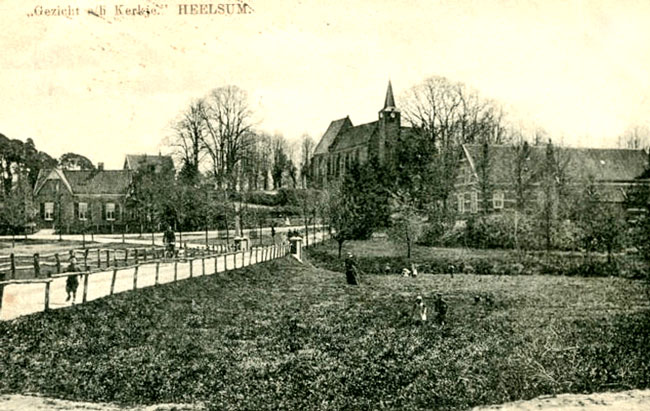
x=340, y=246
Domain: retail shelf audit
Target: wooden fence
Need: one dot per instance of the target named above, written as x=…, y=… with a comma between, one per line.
x=118, y=270
x=33, y=266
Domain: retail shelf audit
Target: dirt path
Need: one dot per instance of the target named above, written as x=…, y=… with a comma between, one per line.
x=633, y=400
x=35, y=403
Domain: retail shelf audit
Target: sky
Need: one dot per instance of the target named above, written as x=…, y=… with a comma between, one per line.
x=111, y=85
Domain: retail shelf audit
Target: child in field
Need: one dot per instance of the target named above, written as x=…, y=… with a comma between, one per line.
x=419, y=312
x=72, y=282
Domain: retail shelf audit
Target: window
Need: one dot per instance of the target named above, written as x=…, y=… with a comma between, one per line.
x=48, y=214
x=110, y=211
x=497, y=200
x=468, y=202
x=474, y=202
x=83, y=211
x=461, y=204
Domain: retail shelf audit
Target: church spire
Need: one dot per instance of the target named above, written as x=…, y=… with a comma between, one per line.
x=390, y=100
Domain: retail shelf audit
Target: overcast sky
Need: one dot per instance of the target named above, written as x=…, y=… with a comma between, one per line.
x=111, y=86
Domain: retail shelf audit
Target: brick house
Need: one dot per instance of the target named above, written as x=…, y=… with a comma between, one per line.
x=89, y=199
x=612, y=171
x=342, y=143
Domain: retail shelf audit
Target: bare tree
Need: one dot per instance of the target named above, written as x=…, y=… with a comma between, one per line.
x=635, y=137
x=227, y=118
x=188, y=138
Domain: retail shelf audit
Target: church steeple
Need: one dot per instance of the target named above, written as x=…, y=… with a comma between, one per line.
x=389, y=103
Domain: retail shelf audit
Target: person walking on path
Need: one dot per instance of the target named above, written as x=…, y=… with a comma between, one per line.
x=72, y=282
x=169, y=240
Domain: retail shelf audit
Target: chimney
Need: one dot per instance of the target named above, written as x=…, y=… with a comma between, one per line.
x=100, y=166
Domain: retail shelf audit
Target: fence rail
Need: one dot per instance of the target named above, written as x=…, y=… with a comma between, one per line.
x=20, y=297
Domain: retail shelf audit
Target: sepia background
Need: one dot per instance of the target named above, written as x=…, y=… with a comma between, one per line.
x=103, y=86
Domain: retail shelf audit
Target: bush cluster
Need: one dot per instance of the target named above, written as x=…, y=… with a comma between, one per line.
x=509, y=263
x=498, y=231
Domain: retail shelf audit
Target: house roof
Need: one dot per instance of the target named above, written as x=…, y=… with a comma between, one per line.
x=601, y=164
x=87, y=181
x=98, y=181
x=330, y=134
x=354, y=136
x=136, y=161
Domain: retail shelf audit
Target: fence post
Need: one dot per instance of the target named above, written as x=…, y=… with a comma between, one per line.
x=157, y=272
x=135, y=277
x=58, y=263
x=108, y=258
x=85, y=295
x=37, y=266
x=99, y=258
x=113, y=281
x=135, y=250
x=47, y=296
x=203, y=265
x=86, y=259
x=175, y=270
x=123, y=240
x=225, y=262
x=215, y=268
x=12, y=259
x=126, y=256
x=191, y=268
x=115, y=258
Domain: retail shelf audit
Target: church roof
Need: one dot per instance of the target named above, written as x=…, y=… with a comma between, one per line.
x=355, y=136
x=332, y=131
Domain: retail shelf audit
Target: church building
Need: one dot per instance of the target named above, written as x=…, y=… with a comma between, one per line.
x=343, y=143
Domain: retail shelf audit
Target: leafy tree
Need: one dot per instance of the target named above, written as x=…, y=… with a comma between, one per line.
x=73, y=161
x=602, y=224
x=151, y=196
x=360, y=205
x=281, y=161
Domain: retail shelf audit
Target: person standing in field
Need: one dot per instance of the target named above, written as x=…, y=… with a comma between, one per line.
x=72, y=282
x=169, y=239
x=441, y=309
x=351, y=270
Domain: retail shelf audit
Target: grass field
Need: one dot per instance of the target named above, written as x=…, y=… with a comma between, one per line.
x=287, y=336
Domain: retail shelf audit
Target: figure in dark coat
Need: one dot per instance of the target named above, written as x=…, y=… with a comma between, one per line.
x=169, y=239
x=351, y=270
x=440, y=306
